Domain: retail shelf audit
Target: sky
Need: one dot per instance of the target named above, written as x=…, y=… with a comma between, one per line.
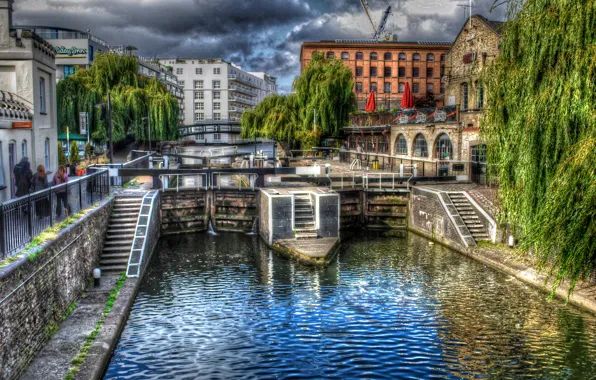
x=258, y=35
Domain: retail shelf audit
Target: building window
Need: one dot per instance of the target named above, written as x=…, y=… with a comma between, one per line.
x=217, y=70
x=442, y=71
x=464, y=96
x=359, y=56
x=373, y=71
x=430, y=57
x=359, y=71
x=68, y=71
x=416, y=72
x=420, y=147
x=416, y=88
x=42, y=95
x=401, y=72
x=430, y=72
x=181, y=83
x=179, y=71
x=217, y=106
x=401, y=56
x=199, y=95
x=216, y=84
x=430, y=89
x=345, y=56
x=416, y=57
x=359, y=87
x=387, y=57
x=199, y=84
x=216, y=95
x=24, y=149
x=387, y=88
x=216, y=116
x=199, y=116
x=198, y=71
x=330, y=54
x=479, y=95
x=401, y=88
x=199, y=106
x=443, y=57
x=479, y=153
x=442, y=88
x=373, y=87
x=401, y=145
x=217, y=136
x=443, y=148
x=387, y=72
x=47, y=154
x=373, y=56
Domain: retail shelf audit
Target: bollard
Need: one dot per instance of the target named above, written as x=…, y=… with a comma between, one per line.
x=511, y=241
x=96, y=277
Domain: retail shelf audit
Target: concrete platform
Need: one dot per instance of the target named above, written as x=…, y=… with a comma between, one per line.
x=308, y=252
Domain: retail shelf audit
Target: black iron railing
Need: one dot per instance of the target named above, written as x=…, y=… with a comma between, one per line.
x=22, y=219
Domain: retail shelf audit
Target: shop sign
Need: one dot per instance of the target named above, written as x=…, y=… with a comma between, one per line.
x=21, y=125
x=447, y=114
x=61, y=50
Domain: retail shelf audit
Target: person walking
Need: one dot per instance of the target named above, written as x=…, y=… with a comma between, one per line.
x=40, y=182
x=61, y=195
x=23, y=174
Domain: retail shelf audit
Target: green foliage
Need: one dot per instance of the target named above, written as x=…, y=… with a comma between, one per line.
x=74, y=153
x=132, y=96
x=324, y=86
x=88, y=151
x=540, y=131
x=61, y=156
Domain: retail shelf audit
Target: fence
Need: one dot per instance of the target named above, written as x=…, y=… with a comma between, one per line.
x=425, y=168
x=142, y=161
x=24, y=218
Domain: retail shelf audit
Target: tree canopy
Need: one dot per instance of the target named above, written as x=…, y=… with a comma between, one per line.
x=541, y=132
x=132, y=96
x=325, y=87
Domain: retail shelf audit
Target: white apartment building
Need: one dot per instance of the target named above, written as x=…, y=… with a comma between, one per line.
x=28, y=123
x=216, y=92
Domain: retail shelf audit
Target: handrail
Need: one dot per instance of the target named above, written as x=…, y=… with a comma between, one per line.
x=163, y=183
x=219, y=174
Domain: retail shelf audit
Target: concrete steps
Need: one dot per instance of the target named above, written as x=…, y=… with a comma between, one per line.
x=120, y=234
x=469, y=215
x=304, y=218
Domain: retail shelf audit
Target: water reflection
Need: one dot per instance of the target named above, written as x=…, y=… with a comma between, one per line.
x=226, y=306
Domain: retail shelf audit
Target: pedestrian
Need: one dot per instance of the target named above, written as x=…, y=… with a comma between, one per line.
x=358, y=148
x=39, y=182
x=62, y=194
x=23, y=174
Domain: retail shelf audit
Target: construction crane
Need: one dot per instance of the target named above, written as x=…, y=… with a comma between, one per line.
x=378, y=31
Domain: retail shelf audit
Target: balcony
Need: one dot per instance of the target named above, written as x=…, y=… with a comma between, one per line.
x=243, y=90
x=238, y=78
x=239, y=99
x=237, y=109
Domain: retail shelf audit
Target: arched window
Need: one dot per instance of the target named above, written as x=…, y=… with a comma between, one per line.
x=345, y=56
x=359, y=56
x=401, y=145
x=330, y=54
x=479, y=95
x=387, y=57
x=416, y=57
x=420, y=147
x=443, y=148
x=401, y=56
x=464, y=96
x=430, y=57
x=373, y=56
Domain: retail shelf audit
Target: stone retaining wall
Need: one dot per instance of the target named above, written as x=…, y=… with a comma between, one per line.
x=35, y=293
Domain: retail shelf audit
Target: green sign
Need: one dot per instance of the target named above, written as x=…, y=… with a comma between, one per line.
x=70, y=51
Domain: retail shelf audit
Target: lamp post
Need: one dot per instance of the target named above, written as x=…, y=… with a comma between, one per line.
x=109, y=108
x=148, y=118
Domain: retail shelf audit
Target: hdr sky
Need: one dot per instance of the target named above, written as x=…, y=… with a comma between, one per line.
x=259, y=35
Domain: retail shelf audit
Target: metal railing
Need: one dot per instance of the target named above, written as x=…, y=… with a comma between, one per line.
x=177, y=182
x=244, y=181
x=202, y=181
x=141, y=162
x=22, y=219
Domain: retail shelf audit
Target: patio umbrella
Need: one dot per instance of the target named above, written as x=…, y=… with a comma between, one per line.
x=371, y=104
x=407, y=100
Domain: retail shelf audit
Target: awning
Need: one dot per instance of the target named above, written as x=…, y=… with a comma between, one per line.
x=72, y=136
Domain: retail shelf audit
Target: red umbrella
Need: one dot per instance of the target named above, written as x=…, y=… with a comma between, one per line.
x=407, y=100
x=371, y=104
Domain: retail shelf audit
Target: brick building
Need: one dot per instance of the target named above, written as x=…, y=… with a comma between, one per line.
x=386, y=66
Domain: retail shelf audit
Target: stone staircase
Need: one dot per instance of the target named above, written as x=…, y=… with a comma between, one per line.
x=469, y=214
x=304, y=218
x=120, y=235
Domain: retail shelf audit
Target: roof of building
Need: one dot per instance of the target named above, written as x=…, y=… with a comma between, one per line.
x=12, y=107
x=496, y=26
x=377, y=42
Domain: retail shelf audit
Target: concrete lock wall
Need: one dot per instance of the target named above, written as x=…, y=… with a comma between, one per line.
x=276, y=216
x=327, y=209
x=35, y=293
x=429, y=218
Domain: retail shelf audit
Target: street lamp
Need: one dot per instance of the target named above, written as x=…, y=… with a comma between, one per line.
x=148, y=118
x=109, y=107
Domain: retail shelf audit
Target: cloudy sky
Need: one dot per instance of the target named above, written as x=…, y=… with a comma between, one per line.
x=259, y=35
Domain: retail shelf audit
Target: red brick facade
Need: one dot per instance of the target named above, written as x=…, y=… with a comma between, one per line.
x=361, y=55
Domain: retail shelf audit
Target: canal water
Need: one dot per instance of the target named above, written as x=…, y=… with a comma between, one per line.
x=227, y=307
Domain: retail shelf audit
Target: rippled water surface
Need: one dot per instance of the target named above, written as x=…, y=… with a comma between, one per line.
x=226, y=307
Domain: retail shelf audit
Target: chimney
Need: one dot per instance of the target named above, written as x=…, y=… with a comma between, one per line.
x=5, y=22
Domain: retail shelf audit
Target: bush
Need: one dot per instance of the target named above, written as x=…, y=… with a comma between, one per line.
x=61, y=156
x=88, y=151
x=74, y=153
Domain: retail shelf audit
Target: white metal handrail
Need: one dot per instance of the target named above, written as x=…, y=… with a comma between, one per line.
x=356, y=164
x=167, y=177
x=254, y=177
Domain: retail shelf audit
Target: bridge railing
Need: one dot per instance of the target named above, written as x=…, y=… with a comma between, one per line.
x=22, y=219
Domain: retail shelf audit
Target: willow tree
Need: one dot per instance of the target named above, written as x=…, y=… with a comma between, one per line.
x=325, y=87
x=540, y=131
x=133, y=97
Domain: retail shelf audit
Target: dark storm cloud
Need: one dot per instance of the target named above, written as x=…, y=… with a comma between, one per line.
x=259, y=35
